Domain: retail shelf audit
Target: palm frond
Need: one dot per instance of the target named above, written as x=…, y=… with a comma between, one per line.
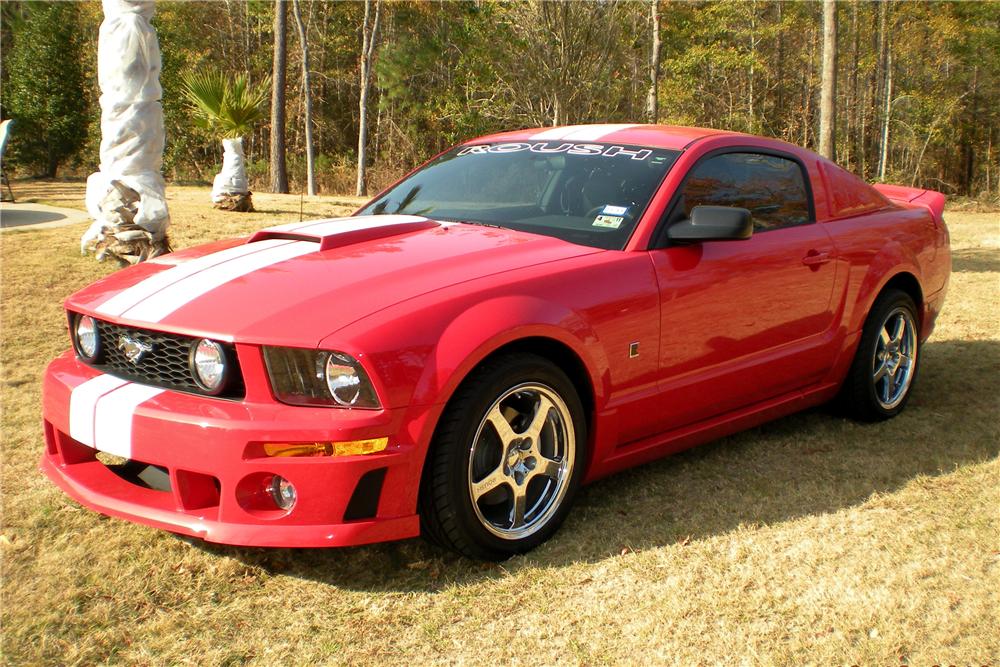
x=229, y=106
x=206, y=94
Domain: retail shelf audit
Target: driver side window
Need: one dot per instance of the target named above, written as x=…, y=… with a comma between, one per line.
x=771, y=187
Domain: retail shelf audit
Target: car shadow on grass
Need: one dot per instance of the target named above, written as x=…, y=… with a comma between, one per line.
x=812, y=463
x=976, y=260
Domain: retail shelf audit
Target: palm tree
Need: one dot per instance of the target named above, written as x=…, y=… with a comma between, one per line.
x=229, y=108
x=126, y=197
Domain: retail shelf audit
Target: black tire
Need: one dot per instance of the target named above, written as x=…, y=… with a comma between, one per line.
x=449, y=515
x=862, y=396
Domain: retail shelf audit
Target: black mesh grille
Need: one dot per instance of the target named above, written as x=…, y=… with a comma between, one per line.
x=165, y=365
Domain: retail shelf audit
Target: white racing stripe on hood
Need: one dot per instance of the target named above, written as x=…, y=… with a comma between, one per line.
x=581, y=132
x=180, y=293
x=83, y=403
x=162, y=293
x=131, y=296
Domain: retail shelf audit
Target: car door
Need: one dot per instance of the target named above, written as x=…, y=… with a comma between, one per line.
x=748, y=320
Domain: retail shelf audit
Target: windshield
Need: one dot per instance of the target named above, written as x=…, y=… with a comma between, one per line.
x=591, y=194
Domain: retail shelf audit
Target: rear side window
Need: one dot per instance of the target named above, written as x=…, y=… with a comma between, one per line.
x=848, y=194
x=771, y=187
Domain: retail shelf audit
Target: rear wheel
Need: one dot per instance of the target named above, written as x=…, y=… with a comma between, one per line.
x=506, y=460
x=885, y=364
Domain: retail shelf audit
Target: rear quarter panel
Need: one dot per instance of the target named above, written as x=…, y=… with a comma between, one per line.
x=875, y=247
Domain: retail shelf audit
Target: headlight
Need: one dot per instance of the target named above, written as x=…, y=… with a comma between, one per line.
x=86, y=338
x=208, y=365
x=343, y=379
x=319, y=377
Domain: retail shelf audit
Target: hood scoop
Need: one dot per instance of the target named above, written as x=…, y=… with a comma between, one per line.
x=339, y=232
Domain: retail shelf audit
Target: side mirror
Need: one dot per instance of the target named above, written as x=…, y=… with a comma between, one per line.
x=713, y=223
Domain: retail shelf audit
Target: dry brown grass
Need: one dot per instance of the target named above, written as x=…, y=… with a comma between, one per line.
x=809, y=540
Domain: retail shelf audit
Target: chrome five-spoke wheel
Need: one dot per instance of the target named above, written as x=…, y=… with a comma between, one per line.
x=885, y=364
x=506, y=460
x=521, y=460
x=895, y=358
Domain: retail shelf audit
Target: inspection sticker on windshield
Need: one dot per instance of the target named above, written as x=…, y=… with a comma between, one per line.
x=615, y=210
x=612, y=221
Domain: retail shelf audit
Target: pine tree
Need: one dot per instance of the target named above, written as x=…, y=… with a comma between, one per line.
x=279, y=172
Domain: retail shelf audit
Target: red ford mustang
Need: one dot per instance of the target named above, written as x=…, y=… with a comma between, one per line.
x=525, y=313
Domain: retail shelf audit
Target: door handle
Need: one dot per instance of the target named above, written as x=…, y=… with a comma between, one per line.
x=815, y=258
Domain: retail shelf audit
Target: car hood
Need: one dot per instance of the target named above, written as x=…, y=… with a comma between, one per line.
x=295, y=284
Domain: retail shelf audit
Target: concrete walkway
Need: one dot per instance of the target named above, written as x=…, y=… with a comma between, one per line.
x=38, y=216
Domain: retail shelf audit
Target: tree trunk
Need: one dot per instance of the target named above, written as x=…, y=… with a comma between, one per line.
x=886, y=112
x=369, y=35
x=51, y=166
x=828, y=85
x=780, y=106
x=855, y=111
x=879, y=87
x=989, y=158
x=307, y=98
x=652, y=102
x=279, y=172
x=751, y=110
x=127, y=197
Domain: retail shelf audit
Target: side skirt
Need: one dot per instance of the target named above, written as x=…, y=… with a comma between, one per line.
x=663, y=444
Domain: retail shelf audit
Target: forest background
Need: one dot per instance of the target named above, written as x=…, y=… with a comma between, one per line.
x=917, y=93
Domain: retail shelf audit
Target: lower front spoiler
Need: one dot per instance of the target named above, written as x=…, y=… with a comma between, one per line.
x=91, y=483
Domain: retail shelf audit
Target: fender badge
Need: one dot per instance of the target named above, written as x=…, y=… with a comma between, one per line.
x=134, y=349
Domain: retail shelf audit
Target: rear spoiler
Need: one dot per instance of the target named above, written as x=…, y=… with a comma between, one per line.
x=932, y=200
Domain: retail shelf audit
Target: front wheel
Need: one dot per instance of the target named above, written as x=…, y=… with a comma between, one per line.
x=885, y=364
x=506, y=460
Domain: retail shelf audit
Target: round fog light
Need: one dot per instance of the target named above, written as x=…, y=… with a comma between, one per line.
x=282, y=492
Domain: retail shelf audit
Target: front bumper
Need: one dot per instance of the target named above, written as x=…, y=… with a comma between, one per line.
x=210, y=451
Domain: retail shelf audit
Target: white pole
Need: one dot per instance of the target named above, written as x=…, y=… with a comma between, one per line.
x=126, y=197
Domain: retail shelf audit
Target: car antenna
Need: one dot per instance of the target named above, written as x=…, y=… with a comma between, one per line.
x=301, y=195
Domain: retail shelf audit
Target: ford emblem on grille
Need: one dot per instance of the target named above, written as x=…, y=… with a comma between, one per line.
x=134, y=349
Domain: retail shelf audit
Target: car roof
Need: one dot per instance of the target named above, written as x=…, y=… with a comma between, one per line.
x=672, y=137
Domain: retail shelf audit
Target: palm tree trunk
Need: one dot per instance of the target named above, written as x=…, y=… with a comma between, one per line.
x=231, y=190
x=126, y=197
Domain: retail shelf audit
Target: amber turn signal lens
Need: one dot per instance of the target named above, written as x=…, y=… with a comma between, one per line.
x=349, y=448
x=299, y=449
